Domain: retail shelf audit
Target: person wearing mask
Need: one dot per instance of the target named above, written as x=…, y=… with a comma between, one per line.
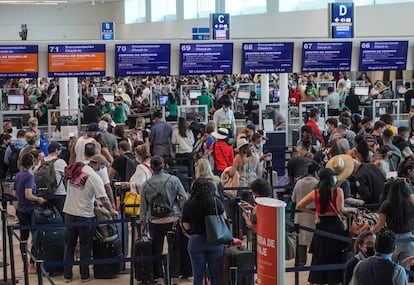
x=202, y=202
x=224, y=117
x=41, y=111
x=83, y=189
x=12, y=153
x=397, y=213
x=26, y=199
x=302, y=187
x=172, y=105
x=91, y=112
x=118, y=113
x=402, y=142
x=333, y=102
x=314, y=115
x=160, y=138
x=222, y=151
x=183, y=142
x=159, y=223
x=124, y=165
x=380, y=269
x=329, y=201
x=5, y=140
x=396, y=156
x=89, y=137
x=108, y=138
x=59, y=165
x=364, y=248
x=205, y=100
x=352, y=102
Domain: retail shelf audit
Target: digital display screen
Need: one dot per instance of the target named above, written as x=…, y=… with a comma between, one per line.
x=209, y=58
x=194, y=94
x=76, y=60
x=163, y=100
x=15, y=99
x=361, y=90
x=19, y=61
x=267, y=57
x=109, y=97
x=385, y=55
x=243, y=94
x=326, y=56
x=142, y=59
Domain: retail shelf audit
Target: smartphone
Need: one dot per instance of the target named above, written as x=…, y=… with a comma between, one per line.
x=118, y=184
x=243, y=208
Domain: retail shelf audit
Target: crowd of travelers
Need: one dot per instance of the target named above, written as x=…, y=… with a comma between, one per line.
x=354, y=162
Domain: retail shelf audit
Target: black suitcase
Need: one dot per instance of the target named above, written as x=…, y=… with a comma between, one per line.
x=144, y=271
x=105, y=250
x=237, y=256
x=48, y=243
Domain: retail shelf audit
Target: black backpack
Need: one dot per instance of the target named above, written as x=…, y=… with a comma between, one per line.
x=158, y=206
x=45, y=178
x=12, y=170
x=130, y=168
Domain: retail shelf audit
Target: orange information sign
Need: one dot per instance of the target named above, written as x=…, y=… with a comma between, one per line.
x=19, y=61
x=270, y=241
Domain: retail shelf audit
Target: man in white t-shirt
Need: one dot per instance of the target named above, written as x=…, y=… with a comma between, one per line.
x=84, y=186
x=89, y=137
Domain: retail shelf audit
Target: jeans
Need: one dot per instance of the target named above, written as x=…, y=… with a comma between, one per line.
x=158, y=233
x=85, y=234
x=201, y=254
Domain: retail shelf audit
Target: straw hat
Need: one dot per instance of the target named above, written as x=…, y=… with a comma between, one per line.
x=221, y=134
x=380, y=86
x=241, y=143
x=342, y=164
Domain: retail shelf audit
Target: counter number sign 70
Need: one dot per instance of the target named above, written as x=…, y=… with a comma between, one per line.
x=121, y=48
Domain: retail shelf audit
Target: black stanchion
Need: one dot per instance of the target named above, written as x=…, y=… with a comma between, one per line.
x=23, y=251
x=121, y=235
x=4, y=241
x=131, y=275
x=233, y=275
x=39, y=272
x=11, y=252
x=166, y=264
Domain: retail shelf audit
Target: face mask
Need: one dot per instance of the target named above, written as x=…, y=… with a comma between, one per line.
x=370, y=251
x=102, y=103
x=335, y=180
x=9, y=131
x=309, y=93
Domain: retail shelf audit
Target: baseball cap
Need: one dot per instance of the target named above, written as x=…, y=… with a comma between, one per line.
x=54, y=146
x=93, y=127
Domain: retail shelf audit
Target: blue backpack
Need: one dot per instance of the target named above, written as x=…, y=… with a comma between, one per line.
x=43, y=143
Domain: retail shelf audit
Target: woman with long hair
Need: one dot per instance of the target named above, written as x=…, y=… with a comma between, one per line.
x=397, y=212
x=203, y=172
x=329, y=202
x=364, y=248
x=202, y=203
x=183, y=141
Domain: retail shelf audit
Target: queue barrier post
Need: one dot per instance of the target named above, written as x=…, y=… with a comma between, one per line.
x=39, y=264
x=233, y=275
x=166, y=263
x=132, y=271
x=23, y=251
x=4, y=240
x=11, y=252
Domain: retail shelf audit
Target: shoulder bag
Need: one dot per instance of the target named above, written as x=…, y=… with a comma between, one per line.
x=217, y=230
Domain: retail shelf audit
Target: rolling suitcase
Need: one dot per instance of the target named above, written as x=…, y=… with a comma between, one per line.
x=237, y=256
x=144, y=270
x=48, y=243
x=104, y=250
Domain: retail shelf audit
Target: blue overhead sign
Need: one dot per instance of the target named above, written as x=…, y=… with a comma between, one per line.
x=326, y=56
x=220, y=26
x=267, y=57
x=342, y=12
x=383, y=55
x=107, y=30
x=142, y=59
x=342, y=32
x=208, y=58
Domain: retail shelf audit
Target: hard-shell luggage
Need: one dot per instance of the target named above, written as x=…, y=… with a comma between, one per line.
x=106, y=250
x=48, y=243
x=144, y=270
x=237, y=256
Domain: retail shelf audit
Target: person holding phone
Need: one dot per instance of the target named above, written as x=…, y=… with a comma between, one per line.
x=260, y=188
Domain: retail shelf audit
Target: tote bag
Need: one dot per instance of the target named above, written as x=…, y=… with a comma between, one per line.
x=217, y=230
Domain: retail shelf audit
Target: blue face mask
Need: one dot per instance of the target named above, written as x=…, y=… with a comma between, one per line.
x=335, y=180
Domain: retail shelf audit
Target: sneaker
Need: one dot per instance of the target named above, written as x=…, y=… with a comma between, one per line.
x=67, y=280
x=175, y=280
x=86, y=279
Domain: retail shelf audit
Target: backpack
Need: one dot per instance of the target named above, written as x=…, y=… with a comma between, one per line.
x=45, y=178
x=158, y=206
x=131, y=167
x=13, y=169
x=43, y=144
x=104, y=232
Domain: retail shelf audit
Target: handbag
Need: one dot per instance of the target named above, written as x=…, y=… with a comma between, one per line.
x=342, y=218
x=217, y=230
x=291, y=242
x=132, y=203
x=7, y=188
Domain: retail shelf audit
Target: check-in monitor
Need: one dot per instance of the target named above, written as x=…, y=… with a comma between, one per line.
x=163, y=99
x=109, y=97
x=243, y=94
x=194, y=94
x=15, y=99
x=361, y=90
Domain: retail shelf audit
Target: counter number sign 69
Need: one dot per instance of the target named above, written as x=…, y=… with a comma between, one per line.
x=186, y=47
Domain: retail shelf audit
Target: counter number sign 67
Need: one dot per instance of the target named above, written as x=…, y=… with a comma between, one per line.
x=308, y=46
